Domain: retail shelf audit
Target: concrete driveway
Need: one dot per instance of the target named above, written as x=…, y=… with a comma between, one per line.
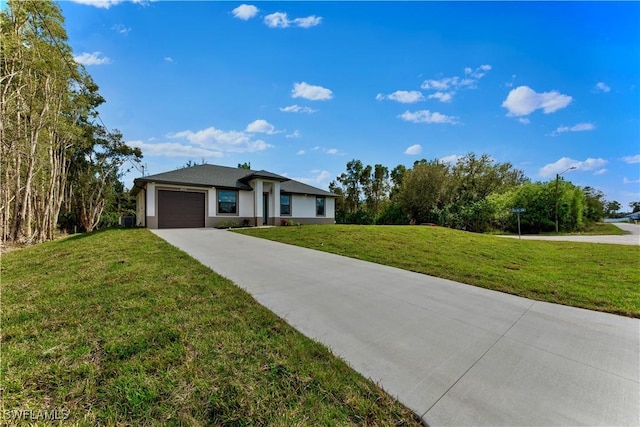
x=631, y=238
x=455, y=354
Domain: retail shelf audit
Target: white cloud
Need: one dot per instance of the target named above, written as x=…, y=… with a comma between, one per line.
x=479, y=72
x=295, y=108
x=631, y=159
x=426, y=116
x=308, y=22
x=442, y=84
x=277, y=20
x=601, y=172
x=121, y=29
x=106, y=4
x=565, y=163
x=300, y=152
x=94, y=58
x=245, y=12
x=311, y=92
x=442, y=96
x=168, y=59
x=413, y=150
x=601, y=87
x=173, y=149
x=332, y=151
x=261, y=126
x=402, y=96
x=626, y=180
x=580, y=127
x=524, y=120
x=318, y=178
x=452, y=159
x=225, y=141
x=446, y=87
x=281, y=20
x=523, y=101
x=294, y=134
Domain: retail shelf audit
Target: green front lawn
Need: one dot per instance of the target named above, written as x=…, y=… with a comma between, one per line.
x=593, y=276
x=120, y=328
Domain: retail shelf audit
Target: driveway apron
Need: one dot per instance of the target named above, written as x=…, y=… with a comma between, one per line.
x=455, y=354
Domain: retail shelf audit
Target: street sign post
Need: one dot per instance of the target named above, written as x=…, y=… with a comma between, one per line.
x=518, y=211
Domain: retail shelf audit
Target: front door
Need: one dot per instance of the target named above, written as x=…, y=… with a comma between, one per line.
x=265, y=208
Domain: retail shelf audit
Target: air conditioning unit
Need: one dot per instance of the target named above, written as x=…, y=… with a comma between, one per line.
x=128, y=221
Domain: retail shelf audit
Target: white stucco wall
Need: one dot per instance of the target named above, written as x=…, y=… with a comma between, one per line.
x=305, y=207
x=275, y=200
x=245, y=204
x=140, y=213
x=151, y=199
x=212, y=201
x=330, y=207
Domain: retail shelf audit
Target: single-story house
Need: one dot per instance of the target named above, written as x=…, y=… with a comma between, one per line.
x=214, y=196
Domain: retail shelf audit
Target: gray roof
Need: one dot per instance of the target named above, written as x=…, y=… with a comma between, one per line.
x=226, y=177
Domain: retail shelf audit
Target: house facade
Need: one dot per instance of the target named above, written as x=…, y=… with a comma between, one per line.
x=220, y=196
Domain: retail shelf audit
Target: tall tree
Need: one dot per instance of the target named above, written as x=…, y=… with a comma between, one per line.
x=477, y=177
x=47, y=115
x=612, y=208
x=378, y=189
x=39, y=83
x=594, y=204
x=338, y=190
x=351, y=181
x=424, y=190
x=96, y=174
x=396, y=176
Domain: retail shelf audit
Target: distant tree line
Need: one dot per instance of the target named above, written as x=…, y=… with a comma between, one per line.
x=476, y=193
x=59, y=165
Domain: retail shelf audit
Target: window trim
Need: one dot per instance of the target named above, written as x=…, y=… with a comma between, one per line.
x=324, y=206
x=290, y=196
x=218, y=212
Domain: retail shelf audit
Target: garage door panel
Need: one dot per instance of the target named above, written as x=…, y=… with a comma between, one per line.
x=180, y=209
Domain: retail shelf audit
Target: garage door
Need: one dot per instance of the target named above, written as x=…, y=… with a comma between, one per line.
x=180, y=209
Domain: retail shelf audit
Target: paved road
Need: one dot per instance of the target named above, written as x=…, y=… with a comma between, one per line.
x=633, y=238
x=455, y=354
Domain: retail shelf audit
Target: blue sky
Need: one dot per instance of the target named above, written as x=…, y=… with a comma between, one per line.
x=301, y=88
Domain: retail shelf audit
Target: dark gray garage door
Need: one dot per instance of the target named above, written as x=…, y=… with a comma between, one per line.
x=180, y=209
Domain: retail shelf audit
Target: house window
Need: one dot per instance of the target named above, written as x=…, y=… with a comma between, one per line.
x=319, y=206
x=227, y=202
x=285, y=204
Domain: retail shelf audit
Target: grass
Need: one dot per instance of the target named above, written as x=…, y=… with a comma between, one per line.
x=594, y=276
x=602, y=228
x=596, y=229
x=120, y=328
